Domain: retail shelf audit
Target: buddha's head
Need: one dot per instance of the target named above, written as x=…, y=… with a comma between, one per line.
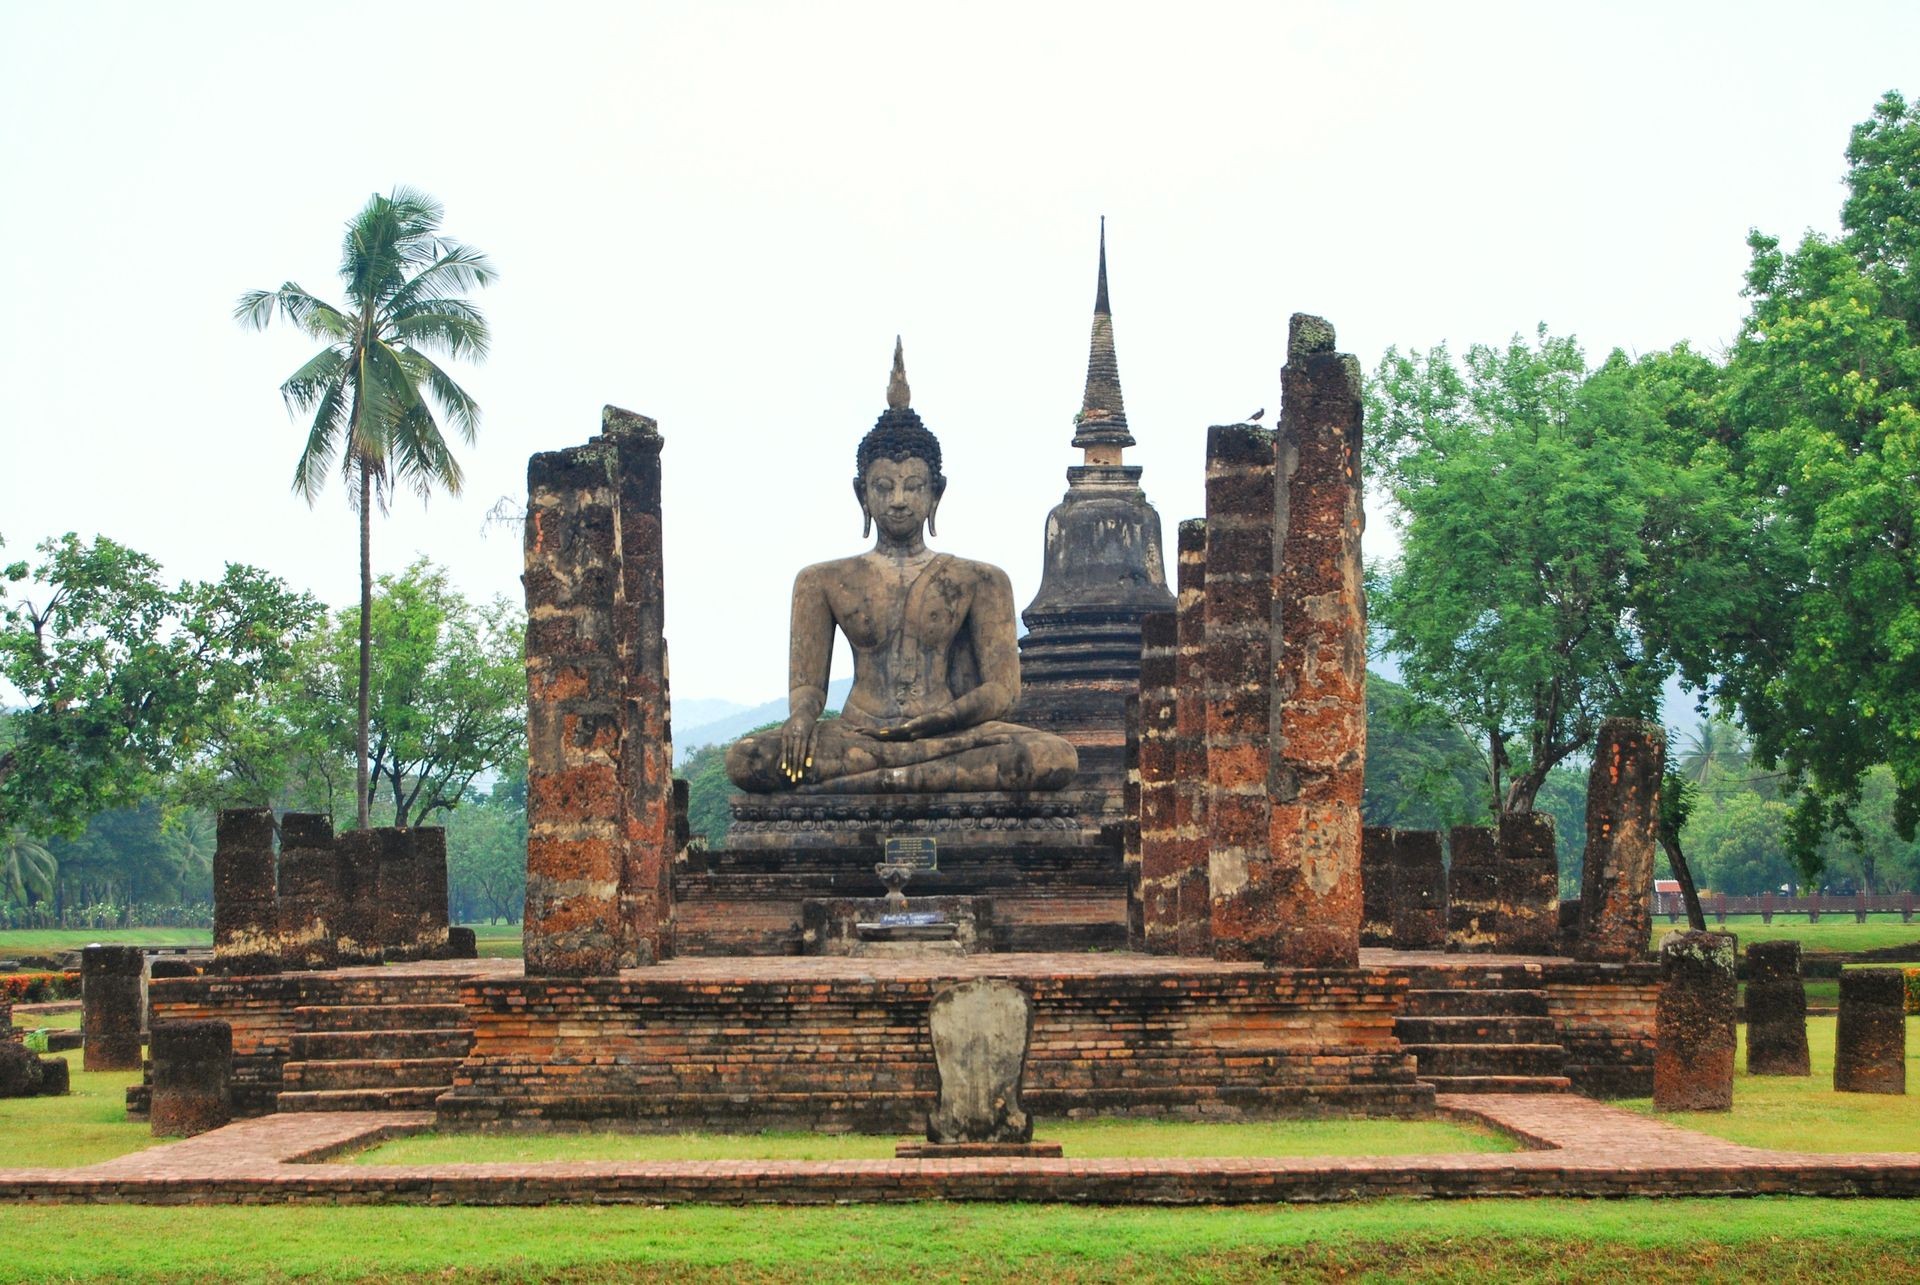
x=897, y=476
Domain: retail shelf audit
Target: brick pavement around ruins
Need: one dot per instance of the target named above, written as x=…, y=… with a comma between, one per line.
x=1576, y=1147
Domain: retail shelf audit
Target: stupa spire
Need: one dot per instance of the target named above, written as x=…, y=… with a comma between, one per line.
x=899, y=396
x=1102, y=421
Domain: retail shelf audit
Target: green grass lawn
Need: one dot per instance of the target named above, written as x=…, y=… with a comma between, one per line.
x=46, y=1021
x=83, y=1128
x=1804, y=1113
x=497, y=941
x=1834, y=932
x=1082, y=1139
x=49, y=941
x=1560, y=1240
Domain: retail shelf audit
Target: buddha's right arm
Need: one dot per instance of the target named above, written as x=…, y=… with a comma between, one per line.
x=810, y=649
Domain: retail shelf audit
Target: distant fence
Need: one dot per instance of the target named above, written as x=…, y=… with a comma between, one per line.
x=1718, y=905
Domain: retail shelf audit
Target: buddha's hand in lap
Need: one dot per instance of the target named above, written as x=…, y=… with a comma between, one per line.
x=914, y=729
x=796, y=746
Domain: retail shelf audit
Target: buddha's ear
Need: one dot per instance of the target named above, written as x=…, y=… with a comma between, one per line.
x=866, y=518
x=932, y=509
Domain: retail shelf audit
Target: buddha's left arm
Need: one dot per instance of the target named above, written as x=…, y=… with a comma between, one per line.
x=990, y=622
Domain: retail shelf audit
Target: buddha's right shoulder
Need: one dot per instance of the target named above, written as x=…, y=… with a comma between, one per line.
x=820, y=574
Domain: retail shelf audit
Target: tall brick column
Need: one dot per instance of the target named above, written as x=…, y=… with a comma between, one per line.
x=110, y=1007
x=1195, y=900
x=1255, y=901
x=1319, y=746
x=599, y=783
x=1623, y=834
x=1160, y=869
x=246, y=912
x=310, y=900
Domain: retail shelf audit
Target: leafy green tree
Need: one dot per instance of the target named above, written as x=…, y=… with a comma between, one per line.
x=373, y=389
x=487, y=852
x=1554, y=535
x=122, y=677
x=1422, y=774
x=708, y=790
x=1822, y=410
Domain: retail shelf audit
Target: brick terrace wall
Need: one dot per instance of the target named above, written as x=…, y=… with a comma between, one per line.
x=261, y=1011
x=1319, y=744
x=854, y=1054
x=1605, y=1015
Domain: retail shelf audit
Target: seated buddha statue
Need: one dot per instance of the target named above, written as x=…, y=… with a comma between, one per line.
x=935, y=663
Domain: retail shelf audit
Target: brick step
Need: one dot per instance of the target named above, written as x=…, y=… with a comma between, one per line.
x=1487, y=1059
x=1463, y=1029
x=328, y=1046
x=370, y=1073
x=1499, y=1083
x=381, y=1017
x=1491, y=1002
x=414, y=1099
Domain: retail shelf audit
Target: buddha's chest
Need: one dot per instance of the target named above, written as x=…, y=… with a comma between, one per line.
x=894, y=612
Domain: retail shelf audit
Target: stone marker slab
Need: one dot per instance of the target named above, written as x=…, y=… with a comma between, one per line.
x=1870, y=1043
x=1694, y=1023
x=980, y=1034
x=1776, y=1010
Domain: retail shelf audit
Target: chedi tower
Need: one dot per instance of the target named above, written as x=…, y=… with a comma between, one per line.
x=1104, y=570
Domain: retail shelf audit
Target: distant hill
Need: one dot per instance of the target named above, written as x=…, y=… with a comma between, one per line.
x=720, y=730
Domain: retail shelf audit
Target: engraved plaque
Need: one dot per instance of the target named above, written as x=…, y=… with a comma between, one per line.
x=915, y=853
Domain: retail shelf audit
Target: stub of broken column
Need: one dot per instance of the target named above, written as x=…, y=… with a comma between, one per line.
x=430, y=915
x=1473, y=889
x=310, y=900
x=1529, y=920
x=1254, y=900
x=1377, y=893
x=1419, y=891
x=356, y=937
x=573, y=925
x=246, y=911
x=1623, y=835
x=1194, y=902
x=1159, y=866
x=1319, y=745
x=646, y=759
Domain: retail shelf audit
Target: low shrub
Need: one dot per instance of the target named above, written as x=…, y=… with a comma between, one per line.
x=38, y=988
x=1913, y=989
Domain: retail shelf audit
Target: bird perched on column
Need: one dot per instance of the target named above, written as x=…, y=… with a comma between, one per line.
x=1255, y=417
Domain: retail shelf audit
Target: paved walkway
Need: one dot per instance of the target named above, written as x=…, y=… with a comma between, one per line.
x=1578, y=1147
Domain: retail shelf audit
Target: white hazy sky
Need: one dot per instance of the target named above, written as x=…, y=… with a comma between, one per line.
x=720, y=214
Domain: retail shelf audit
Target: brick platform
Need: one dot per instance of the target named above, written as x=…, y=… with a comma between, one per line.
x=1581, y=1149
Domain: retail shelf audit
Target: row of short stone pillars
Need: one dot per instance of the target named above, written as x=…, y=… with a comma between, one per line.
x=1694, y=1037
x=326, y=900
x=192, y=1060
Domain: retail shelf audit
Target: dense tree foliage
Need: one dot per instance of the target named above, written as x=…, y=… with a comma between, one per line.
x=123, y=678
x=373, y=389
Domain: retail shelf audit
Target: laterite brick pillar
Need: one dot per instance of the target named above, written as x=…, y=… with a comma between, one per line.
x=1318, y=753
x=1130, y=827
x=599, y=780
x=192, y=1078
x=1870, y=1041
x=110, y=1007
x=1419, y=891
x=1159, y=866
x=1255, y=901
x=1195, y=900
x=1376, y=885
x=246, y=911
x=430, y=892
x=1623, y=834
x=356, y=937
x=1693, y=1023
x=1530, y=884
x=1776, y=1010
x=1473, y=889
x=396, y=897
x=310, y=900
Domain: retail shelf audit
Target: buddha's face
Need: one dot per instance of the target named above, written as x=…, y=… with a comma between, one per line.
x=899, y=496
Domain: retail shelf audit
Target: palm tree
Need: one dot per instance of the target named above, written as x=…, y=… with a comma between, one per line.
x=26, y=869
x=373, y=388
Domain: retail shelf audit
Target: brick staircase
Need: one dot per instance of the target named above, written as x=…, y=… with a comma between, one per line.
x=387, y=1057
x=1493, y=1038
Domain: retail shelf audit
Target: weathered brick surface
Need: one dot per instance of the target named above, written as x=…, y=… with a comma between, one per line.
x=1193, y=913
x=1319, y=743
x=1473, y=889
x=1870, y=1042
x=1623, y=835
x=311, y=896
x=246, y=910
x=1693, y=1055
x=1130, y=828
x=1161, y=869
x=841, y=1050
x=110, y=1007
x=192, y=1077
x=1376, y=885
x=357, y=937
x=1776, y=1004
x=1530, y=884
x=1419, y=891
x=599, y=784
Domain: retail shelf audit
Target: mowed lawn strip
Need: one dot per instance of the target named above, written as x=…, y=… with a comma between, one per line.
x=1623, y=1240
x=1834, y=932
x=83, y=1128
x=1082, y=1139
x=48, y=941
x=1803, y=1113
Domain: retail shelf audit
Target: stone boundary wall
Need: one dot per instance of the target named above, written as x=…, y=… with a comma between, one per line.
x=853, y=1053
